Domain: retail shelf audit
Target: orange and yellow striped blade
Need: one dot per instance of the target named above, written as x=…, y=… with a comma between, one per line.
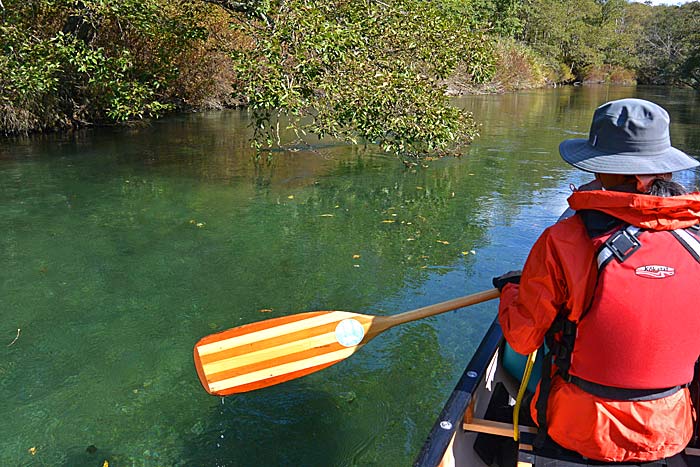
x=269, y=352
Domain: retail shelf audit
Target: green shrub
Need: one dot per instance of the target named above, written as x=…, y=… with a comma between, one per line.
x=362, y=72
x=68, y=63
x=608, y=74
x=518, y=66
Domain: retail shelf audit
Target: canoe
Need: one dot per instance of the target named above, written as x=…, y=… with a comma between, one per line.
x=475, y=429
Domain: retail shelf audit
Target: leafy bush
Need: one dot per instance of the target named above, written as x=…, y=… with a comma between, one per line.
x=519, y=66
x=31, y=79
x=362, y=72
x=68, y=63
x=608, y=74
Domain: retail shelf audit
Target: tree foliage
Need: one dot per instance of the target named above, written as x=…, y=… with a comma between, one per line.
x=68, y=62
x=658, y=43
x=365, y=71
x=361, y=71
x=670, y=47
x=580, y=33
x=503, y=17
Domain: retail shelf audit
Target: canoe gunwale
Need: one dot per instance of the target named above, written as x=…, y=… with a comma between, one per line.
x=451, y=416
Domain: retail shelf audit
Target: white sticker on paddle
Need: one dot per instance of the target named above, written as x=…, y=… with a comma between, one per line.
x=349, y=332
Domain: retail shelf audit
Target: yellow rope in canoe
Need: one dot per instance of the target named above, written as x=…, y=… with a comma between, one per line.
x=521, y=393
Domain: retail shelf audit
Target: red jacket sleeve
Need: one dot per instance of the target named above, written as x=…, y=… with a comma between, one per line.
x=558, y=278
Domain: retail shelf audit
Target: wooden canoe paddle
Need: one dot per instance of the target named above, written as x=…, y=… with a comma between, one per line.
x=273, y=351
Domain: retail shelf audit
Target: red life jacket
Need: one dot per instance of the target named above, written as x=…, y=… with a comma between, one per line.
x=642, y=329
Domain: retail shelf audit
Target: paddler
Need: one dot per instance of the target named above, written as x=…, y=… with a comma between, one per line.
x=614, y=289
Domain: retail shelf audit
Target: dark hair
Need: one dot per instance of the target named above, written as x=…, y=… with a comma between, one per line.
x=660, y=187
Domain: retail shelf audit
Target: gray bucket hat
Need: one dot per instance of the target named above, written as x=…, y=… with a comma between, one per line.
x=628, y=137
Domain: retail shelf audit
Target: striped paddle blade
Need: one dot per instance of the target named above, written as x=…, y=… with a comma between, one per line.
x=269, y=352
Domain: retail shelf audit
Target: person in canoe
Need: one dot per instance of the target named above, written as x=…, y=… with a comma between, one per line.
x=614, y=292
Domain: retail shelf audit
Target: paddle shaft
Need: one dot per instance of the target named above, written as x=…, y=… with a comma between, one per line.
x=438, y=308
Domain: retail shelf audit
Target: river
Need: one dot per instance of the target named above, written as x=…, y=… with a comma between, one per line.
x=121, y=247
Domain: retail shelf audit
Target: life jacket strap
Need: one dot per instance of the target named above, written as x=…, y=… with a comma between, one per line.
x=695, y=397
x=560, y=340
x=541, y=404
x=562, y=349
x=689, y=241
x=624, y=394
x=620, y=245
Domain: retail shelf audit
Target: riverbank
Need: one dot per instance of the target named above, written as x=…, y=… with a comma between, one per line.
x=214, y=85
x=384, y=79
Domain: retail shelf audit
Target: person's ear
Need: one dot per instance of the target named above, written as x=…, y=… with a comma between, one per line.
x=644, y=181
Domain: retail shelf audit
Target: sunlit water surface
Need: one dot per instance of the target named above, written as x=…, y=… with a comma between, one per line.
x=120, y=248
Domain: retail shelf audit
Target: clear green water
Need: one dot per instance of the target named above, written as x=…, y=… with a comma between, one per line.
x=120, y=248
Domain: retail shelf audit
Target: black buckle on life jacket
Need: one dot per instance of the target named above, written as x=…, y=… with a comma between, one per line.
x=622, y=244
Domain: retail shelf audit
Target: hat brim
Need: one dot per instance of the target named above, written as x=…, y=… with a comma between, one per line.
x=580, y=154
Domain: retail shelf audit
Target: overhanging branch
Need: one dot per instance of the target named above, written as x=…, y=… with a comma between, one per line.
x=238, y=7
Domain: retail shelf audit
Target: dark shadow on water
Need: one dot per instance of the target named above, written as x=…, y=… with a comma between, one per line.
x=88, y=456
x=287, y=425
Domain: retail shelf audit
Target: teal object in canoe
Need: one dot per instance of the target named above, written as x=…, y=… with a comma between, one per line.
x=514, y=363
